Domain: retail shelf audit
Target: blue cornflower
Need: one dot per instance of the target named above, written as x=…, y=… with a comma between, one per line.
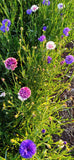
x=44, y=28
x=46, y=2
x=66, y=30
x=4, y=29
x=49, y=59
x=42, y=38
x=27, y=148
x=6, y=21
x=43, y=131
x=29, y=11
x=69, y=59
x=5, y=25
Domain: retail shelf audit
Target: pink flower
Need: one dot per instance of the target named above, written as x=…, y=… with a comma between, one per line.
x=24, y=93
x=50, y=45
x=11, y=63
x=34, y=8
x=62, y=62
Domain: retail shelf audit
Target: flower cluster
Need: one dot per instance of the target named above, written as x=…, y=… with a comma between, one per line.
x=34, y=8
x=5, y=25
x=27, y=149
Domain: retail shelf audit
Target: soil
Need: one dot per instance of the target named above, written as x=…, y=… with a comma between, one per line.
x=67, y=114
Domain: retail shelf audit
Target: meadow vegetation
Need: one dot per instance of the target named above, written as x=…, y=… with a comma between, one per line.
x=22, y=120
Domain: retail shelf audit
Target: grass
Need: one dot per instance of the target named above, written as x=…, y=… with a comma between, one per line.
x=20, y=121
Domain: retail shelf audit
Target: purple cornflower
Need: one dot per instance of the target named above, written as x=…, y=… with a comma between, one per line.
x=10, y=63
x=29, y=11
x=6, y=21
x=42, y=38
x=69, y=59
x=46, y=2
x=44, y=28
x=4, y=29
x=27, y=149
x=66, y=30
x=49, y=59
x=5, y=25
x=43, y=131
x=24, y=93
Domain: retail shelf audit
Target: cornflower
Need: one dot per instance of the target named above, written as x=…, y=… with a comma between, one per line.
x=69, y=59
x=50, y=45
x=42, y=38
x=61, y=6
x=24, y=93
x=46, y=2
x=49, y=59
x=27, y=149
x=34, y=8
x=66, y=30
x=29, y=11
x=5, y=25
x=44, y=28
x=10, y=63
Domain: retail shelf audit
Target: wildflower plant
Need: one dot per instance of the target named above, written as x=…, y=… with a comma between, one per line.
x=30, y=97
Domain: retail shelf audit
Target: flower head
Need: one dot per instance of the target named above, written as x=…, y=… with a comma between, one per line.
x=6, y=21
x=5, y=25
x=34, y=8
x=44, y=28
x=46, y=2
x=66, y=30
x=49, y=59
x=29, y=11
x=42, y=38
x=4, y=29
x=50, y=45
x=10, y=63
x=69, y=59
x=61, y=6
x=27, y=149
x=43, y=131
x=24, y=93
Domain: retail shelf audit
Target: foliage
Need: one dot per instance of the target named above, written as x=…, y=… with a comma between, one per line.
x=25, y=120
